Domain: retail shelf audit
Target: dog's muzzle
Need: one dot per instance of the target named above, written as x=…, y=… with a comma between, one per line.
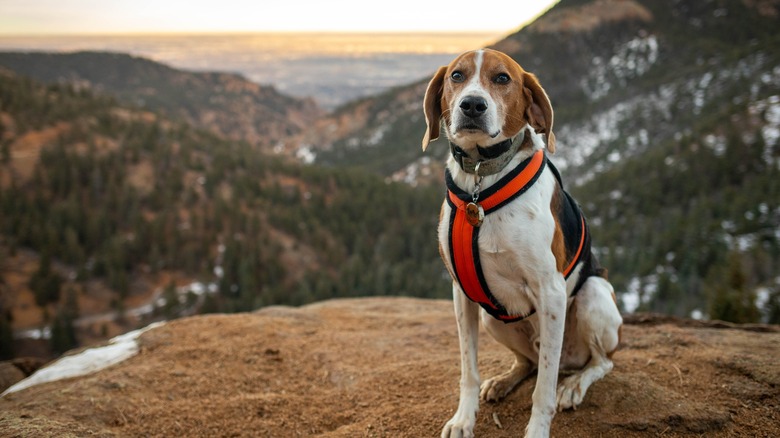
x=473, y=116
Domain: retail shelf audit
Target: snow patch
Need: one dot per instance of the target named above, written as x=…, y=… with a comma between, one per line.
x=412, y=172
x=631, y=60
x=36, y=333
x=306, y=154
x=378, y=135
x=631, y=299
x=770, y=107
x=717, y=143
x=641, y=290
x=88, y=361
x=764, y=296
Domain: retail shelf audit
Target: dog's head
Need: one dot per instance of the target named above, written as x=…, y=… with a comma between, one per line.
x=485, y=97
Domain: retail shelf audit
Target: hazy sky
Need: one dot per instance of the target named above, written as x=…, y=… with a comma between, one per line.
x=131, y=16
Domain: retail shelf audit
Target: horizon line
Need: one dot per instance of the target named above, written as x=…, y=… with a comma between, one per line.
x=263, y=32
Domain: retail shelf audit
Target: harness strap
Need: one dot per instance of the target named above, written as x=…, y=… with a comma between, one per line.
x=464, y=238
x=578, y=255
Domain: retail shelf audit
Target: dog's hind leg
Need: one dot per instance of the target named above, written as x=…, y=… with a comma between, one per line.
x=598, y=328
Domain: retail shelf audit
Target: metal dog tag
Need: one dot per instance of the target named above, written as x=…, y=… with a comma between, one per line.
x=474, y=214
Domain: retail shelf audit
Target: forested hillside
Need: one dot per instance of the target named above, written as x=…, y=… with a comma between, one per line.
x=111, y=200
x=694, y=223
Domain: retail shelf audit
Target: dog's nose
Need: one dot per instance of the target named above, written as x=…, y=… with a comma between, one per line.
x=473, y=106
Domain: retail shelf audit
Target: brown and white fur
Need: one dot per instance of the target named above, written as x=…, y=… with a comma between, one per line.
x=520, y=250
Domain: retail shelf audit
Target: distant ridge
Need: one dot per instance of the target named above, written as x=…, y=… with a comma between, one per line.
x=225, y=103
x=333, y=68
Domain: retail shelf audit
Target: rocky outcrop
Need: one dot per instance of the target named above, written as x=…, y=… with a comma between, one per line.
x=384, y=367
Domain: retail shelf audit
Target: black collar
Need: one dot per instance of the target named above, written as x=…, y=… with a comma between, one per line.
x=491, y=159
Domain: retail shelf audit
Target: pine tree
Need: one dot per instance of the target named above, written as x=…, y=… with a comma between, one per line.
x=63, y=333
x=732, y=300
x=45, y=283
x=6, y=336
x=5, y=151
x=71, y=304
x=63, y=330
x=170, y=309
x=773, y=306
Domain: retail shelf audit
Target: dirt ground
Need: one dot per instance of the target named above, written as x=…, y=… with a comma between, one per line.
x=388, y=367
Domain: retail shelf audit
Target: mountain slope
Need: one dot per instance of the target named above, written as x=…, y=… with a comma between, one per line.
x=388, y=367
x=224, y=103
x=612, y=68
x=652, y=98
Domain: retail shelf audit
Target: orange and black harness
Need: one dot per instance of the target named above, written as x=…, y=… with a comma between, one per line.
x=464, y=230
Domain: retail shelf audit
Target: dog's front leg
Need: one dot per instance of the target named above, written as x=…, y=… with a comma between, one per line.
x=467, y=316
x=551, y=308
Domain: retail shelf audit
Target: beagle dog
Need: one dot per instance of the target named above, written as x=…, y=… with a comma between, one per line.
x=515, y=243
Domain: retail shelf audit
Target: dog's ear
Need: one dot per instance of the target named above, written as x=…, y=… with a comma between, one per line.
x=539, y=112
x=432, y=107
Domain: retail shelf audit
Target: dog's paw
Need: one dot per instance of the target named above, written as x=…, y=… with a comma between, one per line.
x=495, y=389
x=459, y=426
x=570, y=393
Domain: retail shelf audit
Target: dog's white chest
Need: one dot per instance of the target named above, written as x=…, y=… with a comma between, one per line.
x=509, y=243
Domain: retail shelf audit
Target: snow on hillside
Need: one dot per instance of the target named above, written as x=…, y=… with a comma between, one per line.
x=86, y=362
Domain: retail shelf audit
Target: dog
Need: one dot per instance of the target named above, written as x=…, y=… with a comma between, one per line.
x=516, y=245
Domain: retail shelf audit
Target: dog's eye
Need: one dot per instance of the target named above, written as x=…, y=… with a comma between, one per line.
x=501, y=78
x=457, y=76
